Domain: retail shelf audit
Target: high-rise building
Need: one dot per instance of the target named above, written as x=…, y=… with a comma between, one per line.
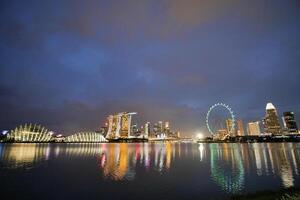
x=271, y=120
x=178, y=134
x=160, y=126
x=230, y=127
x=290, y=122
x=167, y=127
x=119, y=125
x=134, y=130
x=147, y=129
x=254, y=128
x=240, y=128
x=155, y=128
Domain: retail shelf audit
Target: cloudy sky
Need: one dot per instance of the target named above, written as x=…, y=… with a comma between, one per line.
x=68, y=64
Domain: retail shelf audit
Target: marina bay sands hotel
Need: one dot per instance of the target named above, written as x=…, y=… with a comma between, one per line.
x=119, y=125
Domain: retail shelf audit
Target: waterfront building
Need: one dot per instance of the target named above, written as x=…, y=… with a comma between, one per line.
x=160, y=126
x=59, y=138
x=271, y=120
x=134, y=130
x=289, y=122
x=178, y=134
x=254, y=128
x=167, y=127
x=240, y=128
x=30, y=133
x=229, y=125
x=147, y=129
x=103, y=130
x=155, y=128
x=222, y=134
x=119, y=125
x=85, y=137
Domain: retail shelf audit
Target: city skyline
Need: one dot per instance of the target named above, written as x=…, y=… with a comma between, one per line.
x=150, y=99
x=122, y=126
x=68, y=67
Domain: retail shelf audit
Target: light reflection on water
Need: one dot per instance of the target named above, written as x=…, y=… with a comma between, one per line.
x=24, y=155
x=228, y=164
x=265, y=159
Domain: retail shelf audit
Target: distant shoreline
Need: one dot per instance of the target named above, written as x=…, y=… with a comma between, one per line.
x=158, y=141
x=253, y=139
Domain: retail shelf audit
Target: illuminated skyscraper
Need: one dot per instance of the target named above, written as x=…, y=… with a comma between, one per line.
x=147, y=129
x=155, y=128
x=160, y=126
x=167, y=127
x=229, y=124
x=119, y=125
x=290, y=122
x=271, y=121
x=254, y=128
x=134, y=130
x=240, y=128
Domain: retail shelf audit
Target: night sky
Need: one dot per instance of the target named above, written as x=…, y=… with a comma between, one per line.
x=68, y=64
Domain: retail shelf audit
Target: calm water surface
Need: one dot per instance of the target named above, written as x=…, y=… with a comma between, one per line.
x=145, y=170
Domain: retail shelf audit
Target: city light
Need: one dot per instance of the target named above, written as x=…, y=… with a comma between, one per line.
x=4, y=132
x=200, y=136
x=144, y=99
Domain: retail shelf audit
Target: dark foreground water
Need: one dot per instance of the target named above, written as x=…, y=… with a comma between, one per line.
x=145, y=171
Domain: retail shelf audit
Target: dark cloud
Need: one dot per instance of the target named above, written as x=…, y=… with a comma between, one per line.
x=68, y=64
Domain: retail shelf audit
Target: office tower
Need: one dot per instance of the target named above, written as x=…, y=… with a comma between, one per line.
x=155, y=128
x=160, y=126
x=178, y=134
x=254, y=128
x=240, y=128
x=290, y=122
x=135, y=130
x=167, y=127
x=271, y=120
x=147, y=129
x=229, y=125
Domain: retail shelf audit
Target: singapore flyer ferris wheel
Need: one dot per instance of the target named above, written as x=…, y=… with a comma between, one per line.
x=232, y=117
